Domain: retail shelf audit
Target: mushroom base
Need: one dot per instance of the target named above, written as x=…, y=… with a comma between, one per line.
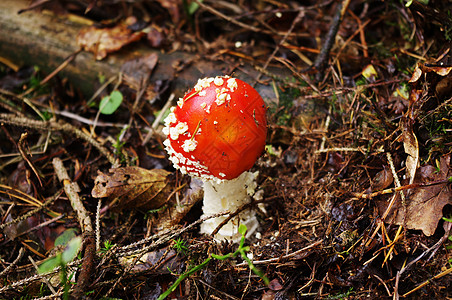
x=229, y=195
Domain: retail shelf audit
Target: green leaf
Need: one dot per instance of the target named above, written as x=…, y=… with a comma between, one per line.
x=71, y=250
x=65, y=237
x=109, y=104
x=49, y=264
x=61, y=259
x=242, y=229
x=192, y=7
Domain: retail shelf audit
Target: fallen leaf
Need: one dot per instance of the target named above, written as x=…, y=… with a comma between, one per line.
x=133, y=187
x=382, y=180
x=137, y=71
x=172, y=6
x=411, y=146
x=423, y=69
x=424, y=205
x=275, y=285
x=102, y=41
x=167, y=219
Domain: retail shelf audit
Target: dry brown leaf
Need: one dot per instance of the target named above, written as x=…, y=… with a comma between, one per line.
x=133, y=187
x=423, y=69
x=174, y=214
x=102, y=41
x=172, y=6
x=382, y=180
x=137, y=71
x=424, y=205
x=411, y=146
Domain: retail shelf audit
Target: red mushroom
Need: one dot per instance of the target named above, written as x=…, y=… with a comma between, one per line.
x=216, y=132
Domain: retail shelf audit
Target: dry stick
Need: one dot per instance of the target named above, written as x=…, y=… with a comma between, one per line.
x=29, y=280
x=72, y=189
x=161, y=239
x=444, y=273
x=26, y=156
x=99, y=203
x=60, y=126
x=158, y=119
x=235, y=213
x=32, y=212
x=432, y=249
x=164, y=239
x=43, y=278
x=277, y=259
x=322, y=59
x=229, y=19
x=63, y=65
x=19, y=256
x=297, y=19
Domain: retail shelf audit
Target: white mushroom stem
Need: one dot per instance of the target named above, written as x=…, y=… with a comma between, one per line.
x=229, y=195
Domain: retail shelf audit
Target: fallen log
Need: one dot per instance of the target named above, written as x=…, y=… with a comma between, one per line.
x=46, y=40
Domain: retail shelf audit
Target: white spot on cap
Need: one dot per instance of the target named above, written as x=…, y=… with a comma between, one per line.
x=189, y=145
x=221, y=98
x=177, y=130
x=202, y=93
x=218, y=81
x=181, y=127
x=232, y=84
x=165, y=130
x=170, y=119
x=203, y=83
x=180, y=102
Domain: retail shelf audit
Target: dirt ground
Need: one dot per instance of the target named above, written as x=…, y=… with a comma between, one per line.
x=353, y=190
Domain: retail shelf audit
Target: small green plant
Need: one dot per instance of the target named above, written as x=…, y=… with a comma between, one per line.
x=341, y=295
x=107, y=246
x=180, y=246
x=242, y=250
x=282, y=110
x=61, y=260
x=118, y=145
x=109, y=104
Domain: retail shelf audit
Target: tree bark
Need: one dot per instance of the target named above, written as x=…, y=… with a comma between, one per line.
x=46, y=40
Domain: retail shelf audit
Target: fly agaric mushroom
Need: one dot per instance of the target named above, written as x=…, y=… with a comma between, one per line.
x=216, y=132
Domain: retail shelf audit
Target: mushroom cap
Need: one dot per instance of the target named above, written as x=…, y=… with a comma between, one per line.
x=218, y=130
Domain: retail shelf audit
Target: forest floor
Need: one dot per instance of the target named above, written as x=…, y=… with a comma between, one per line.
x=354, y=185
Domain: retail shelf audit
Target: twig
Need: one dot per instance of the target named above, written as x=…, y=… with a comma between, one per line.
x=297, y=19
x=158, y=119
x=26, y=156
x=322, y=59
x=99, y=203
x=72, y=189
x=277, y=259
x=166, y=237
x=32, y=212
x=19, y=256
x=229, y=19
x=431, y=249
x=43, y=278
x=235, y=213
x=159, y=240
x=444, y=273
x=53, y=125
